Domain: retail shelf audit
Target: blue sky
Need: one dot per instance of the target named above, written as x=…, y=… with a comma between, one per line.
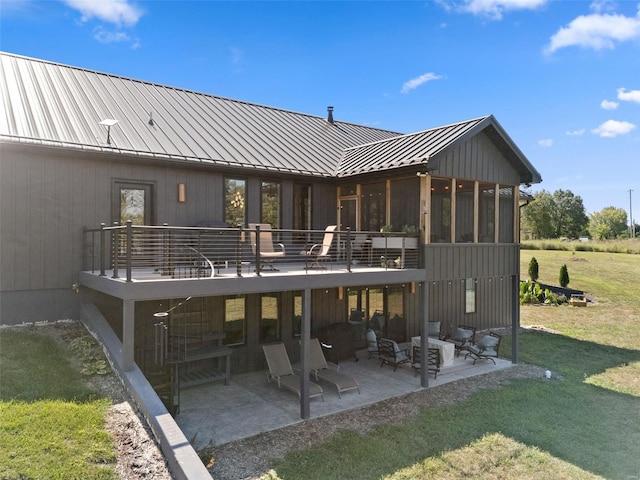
x=562, y=77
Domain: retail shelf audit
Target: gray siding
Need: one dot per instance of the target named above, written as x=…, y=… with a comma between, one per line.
x=477, y=158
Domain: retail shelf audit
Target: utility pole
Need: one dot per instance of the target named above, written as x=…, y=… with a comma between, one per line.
x=633, y=227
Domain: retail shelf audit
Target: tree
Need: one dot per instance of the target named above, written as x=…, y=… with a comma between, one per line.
x=560, y=214
x=533, y=269
x=564, y=276
x=608, y=223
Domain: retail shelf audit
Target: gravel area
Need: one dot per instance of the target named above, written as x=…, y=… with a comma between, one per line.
x=139, y=456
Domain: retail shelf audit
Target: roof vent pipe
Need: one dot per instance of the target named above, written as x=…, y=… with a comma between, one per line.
x=330, y=114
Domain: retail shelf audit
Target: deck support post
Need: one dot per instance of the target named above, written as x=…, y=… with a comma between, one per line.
x=515, y=317
x=305, y=334
x=424, y=335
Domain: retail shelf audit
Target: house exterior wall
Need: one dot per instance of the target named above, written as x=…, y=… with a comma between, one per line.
x=477, y=158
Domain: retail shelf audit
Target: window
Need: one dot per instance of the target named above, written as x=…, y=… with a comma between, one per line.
x=297, y=314
x=234, y=320
x=373, y=206
x=269, y=317
x=234, y=201
x=301, y=207
x=506, y=215
x=440, y=210
x=405, y=203
x=464, y=211
x=470, y=295
x=270, y=203
x=486, y=213
x=132, y=201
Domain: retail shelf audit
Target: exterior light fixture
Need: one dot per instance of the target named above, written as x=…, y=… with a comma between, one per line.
x=182, y=193
x=109, y=122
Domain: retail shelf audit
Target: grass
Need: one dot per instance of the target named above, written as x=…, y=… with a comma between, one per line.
x=631, y=246
x=583, y=423
x=52, y=424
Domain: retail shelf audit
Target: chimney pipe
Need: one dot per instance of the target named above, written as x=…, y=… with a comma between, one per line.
x=330, y=114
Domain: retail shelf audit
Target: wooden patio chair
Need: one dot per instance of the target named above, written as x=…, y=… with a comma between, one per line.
x=267, y=253
x=433, y=357
x=391, y=354
x=486, y=348
x=320, y=369
x=320, y=251
x=281, y=371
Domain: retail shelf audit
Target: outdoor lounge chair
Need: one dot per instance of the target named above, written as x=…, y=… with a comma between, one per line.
x=320, y=369
x=267, y=253
x=319, y=251
x=463, y=338
x=391, y=354
x=433, y=357
x=281, y=371
x=372, y=344
x=486, y=348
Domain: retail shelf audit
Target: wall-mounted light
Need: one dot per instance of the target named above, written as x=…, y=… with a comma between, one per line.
x=413, y=287
x=182, y=193
x=340, y=293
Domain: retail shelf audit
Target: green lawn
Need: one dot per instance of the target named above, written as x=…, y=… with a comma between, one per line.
x=52, y=425
x=583, y=423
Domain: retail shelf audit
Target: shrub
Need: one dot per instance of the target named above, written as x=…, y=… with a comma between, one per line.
x=564, y=276
x=533, y=269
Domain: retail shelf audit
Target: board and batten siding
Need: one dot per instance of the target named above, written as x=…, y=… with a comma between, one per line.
x=477, y=158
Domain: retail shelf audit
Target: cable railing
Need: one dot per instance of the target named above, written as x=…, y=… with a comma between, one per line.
x=205, y=252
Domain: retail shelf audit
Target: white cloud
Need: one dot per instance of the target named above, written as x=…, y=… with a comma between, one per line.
x=492, y=9
x=608, y=105
x=597, y=31
x=575, y=133
x=106, y=36
x=416, y=82
x=237, y=55
x=546, y=142
x=613, y=128
x=630, y=96
x=117, y=12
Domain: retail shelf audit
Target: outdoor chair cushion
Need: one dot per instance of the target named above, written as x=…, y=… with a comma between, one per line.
x=433, y=329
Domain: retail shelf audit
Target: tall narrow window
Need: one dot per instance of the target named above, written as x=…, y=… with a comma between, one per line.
x=470, y=296
x=464, y=211
x=301, y=207
x=486, y=213
x=269, y=317
x=234, y=201
x=297, y=314
x=440, y=210
x=270, y=207
x=506, y=214
x=234, y=320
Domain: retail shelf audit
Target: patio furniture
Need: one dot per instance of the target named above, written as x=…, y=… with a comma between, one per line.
x=486, y=348
x=447, y=350
x=463, y=337
x=319, y=251
x=281, y=371
x=433, y=359
x=267, y=253
x=372, y=344
x=320, y=369
x=390, y=353
x=433, y=330
x=340, y=337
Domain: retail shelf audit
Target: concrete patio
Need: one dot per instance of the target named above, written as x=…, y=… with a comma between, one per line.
x=217, y=414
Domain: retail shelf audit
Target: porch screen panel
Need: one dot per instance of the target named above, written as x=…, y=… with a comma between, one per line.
x=464, y=212
x=234, y=320
x=440, y=210
x=269, y=317
x=405, y=203
x=301, y=207
x=486, y=213
x=297, y=314
x=395, y=307
x=270, y=203
x=373, y=206
x=234, y=201
x=506, y=214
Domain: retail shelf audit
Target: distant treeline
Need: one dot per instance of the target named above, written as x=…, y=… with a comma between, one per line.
x=607, y=246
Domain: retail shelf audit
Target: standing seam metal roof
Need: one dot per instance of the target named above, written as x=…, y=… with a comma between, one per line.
x=51, y=104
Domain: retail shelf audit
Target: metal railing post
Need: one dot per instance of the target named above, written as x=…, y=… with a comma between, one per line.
x=239, y=242
x=115, y=251
x=129, y=230
x=258, y=266
x=348, y=247
x=103, y=248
